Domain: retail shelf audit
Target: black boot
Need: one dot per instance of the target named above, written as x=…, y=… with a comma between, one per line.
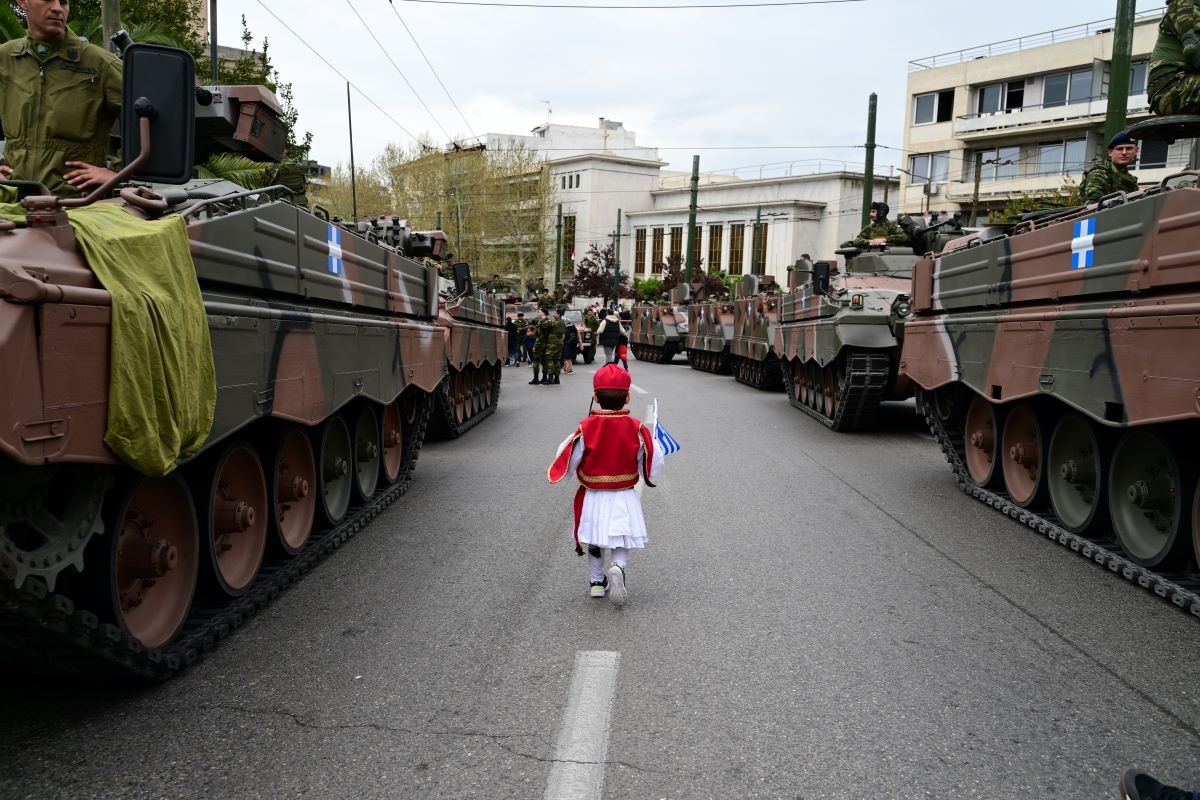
x=546, y=380
x=555, y=381
x=535, y=380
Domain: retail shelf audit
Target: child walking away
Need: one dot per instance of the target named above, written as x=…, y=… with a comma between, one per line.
x=608, y=452
x=623, y=351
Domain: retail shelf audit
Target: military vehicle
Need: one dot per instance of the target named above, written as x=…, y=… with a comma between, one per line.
x=756, y=316
x=710, y=329
x=1056, y=366
x=316, y=355
x=838, y=338
x=472, y=323
x=660, y=330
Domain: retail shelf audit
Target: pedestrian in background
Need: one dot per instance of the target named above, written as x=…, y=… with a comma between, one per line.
x=608, y=335
x=570, y=346
x=550, y=344
x=623, y=351
x=514, y=342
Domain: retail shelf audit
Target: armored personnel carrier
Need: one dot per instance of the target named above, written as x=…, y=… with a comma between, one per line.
x=709, y=331
x=264, y=395
x=1057, y=368
x=756, y=316
x=838, y=338
x=660, y=330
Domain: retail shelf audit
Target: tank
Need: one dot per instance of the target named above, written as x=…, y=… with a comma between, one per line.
x=472, y=324
x=659, y=331
x=1056, y=367
x=710, y=328
x=839, y=333
x=326, y=356
x=756, y=316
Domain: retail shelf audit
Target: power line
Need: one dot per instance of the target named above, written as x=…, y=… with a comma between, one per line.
x=636, y=8
x=470, y=130
x=338, y=72
x=408, y=83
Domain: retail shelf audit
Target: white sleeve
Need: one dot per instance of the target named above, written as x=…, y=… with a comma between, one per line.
x=657, y=461
x=576, y=454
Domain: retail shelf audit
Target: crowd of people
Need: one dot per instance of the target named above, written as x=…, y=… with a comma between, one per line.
x=550, y=343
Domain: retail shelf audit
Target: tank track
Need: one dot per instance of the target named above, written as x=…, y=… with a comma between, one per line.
x=769, y=380
x=46, y=632
x=866, y=381
x=1183, y=592
x=442, y=423
x=724, y=364
x=656, y=355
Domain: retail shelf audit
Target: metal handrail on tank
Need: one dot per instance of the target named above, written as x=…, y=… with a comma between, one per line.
x=273, y=193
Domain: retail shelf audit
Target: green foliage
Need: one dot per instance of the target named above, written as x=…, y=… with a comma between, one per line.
x=238, y=169
x=11, y=26
x=648, y=289
x=1065, y=196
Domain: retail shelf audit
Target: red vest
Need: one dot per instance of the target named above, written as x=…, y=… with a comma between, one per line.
x=611, y=440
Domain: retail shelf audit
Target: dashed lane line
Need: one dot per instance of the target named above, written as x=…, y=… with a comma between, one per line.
x=578, y=771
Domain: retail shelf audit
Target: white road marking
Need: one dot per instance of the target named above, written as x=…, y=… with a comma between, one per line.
x=578, y=771
x=638, y=389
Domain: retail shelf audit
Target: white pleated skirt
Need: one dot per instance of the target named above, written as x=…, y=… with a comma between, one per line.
x=613, y=519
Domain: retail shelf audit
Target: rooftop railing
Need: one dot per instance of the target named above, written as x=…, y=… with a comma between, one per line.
x=1027, y=42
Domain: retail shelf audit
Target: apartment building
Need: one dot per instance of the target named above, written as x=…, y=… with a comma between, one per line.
x=1028, y=112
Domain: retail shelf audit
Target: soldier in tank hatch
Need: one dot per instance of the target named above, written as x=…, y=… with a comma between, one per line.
x=879, y=231
x=59, y=98
x=609, y=451
x=1174, y=82
x=1113, y=174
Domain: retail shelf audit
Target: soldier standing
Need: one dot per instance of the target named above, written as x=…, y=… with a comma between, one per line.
x=59, y=97
x=539, y=346
x=879, y=231
x=1113, y=174
x=1174, y=85
x=550, y=346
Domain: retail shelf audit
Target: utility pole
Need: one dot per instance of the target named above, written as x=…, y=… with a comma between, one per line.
x=975, y=197
x=869, y=171
x=110, y=16
x=755, y=267
x=438, y=225
x=690, y=260
x=353, y=177
x=212, y=42
x=888, y=186
x=1118, y=76
x=617, y=257
x=558, y=249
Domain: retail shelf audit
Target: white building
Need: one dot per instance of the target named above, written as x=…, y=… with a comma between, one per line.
x=601, y=174
x=1030, y=112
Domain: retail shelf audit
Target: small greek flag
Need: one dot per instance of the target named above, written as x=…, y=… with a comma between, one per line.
x=335, y=250
x=1083, y=247
x=665, y=440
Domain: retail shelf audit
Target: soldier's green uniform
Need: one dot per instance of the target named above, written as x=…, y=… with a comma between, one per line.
x=550, y=344
x=881, y=230
x=1106, y=179
x=1174, y=84
x=539, y=347
x=58, y=103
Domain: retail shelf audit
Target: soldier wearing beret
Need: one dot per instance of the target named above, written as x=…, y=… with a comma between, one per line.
x=1174, y=84
x=1113, y=174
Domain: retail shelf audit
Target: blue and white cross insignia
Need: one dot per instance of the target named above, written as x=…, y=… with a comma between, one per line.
x=1083, y=248
x=335, y=250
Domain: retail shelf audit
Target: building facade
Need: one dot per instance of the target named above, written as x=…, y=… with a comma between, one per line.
x=1028, y=114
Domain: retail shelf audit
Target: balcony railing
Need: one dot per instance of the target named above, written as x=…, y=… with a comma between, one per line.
x=1043, y=115
x=1026, y=42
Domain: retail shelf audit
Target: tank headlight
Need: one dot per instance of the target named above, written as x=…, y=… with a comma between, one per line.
x=856, y=301
x=902, y=308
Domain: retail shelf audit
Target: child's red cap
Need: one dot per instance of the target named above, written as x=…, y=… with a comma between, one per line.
x=610, y=376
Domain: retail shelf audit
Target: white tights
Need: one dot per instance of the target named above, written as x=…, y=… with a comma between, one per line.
x=620, y=557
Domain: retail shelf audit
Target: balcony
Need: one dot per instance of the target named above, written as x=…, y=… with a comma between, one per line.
x=977, y=127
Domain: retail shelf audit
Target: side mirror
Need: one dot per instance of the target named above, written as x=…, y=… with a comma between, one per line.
x=159, y=86
x=462, y=278
x=820, y=277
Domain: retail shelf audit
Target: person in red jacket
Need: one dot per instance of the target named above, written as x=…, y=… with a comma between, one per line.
x=609, y=452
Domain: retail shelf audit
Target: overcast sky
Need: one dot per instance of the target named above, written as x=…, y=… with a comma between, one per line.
x=740, y=87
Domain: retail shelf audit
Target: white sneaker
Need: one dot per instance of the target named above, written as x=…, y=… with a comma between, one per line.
x=616, y=585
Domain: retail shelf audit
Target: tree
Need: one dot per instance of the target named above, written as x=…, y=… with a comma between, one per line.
x=594, y=275
x=1066, y=196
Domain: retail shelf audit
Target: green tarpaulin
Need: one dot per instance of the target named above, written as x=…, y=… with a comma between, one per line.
x=162, y=386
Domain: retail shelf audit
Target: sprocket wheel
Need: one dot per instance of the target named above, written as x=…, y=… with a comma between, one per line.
x=47, y=516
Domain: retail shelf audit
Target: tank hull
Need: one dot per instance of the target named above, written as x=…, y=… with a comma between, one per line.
x=753, y=345
x=476, y=347
x=710, y=329
x=656, y=335
x=1052, y=370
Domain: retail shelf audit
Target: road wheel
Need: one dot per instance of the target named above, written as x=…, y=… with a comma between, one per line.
x=368, y=448
x=291, y=491
x=334, y=457
x=234, y=495
x=393, y=443
x=982, y=440
x=1023, y=456
x=1149, y=489
x=1076, y=471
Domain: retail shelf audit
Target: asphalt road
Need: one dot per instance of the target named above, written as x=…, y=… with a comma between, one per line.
x=818, y=615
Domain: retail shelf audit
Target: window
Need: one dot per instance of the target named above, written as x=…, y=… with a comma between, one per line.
x=737, y=244
x=715, y=233
x=933, y=107
x=656, y=253
x=997, y=97
x=935, y=166
x=1137, y=77
x=1061, y=158
x=676, y=242
x=998, y=164
x=1152, y=154
x=568, y=239
x=1064, y=88
x=639, y=252
x=564, y=181
x=759, y=261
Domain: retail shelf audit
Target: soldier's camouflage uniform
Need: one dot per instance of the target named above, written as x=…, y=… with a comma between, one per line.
x=1174, y=86
x=879, y=230
x=550, y=345
x=539, y=346
x=1106, y=179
